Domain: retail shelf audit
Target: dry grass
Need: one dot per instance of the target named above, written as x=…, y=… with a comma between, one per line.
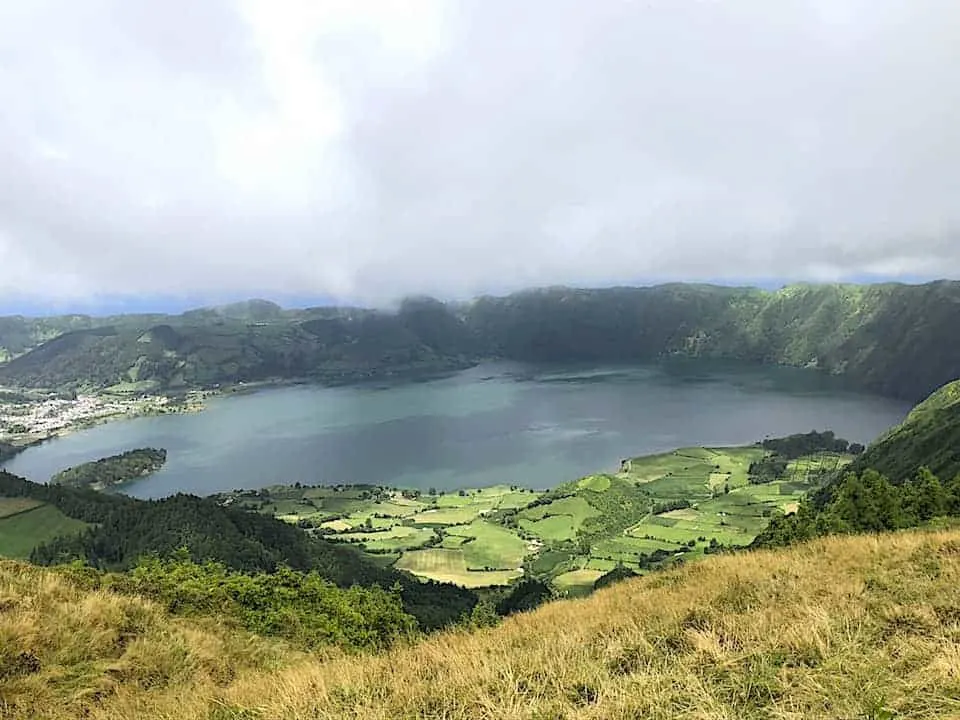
x=15, y=506
x=865, y=627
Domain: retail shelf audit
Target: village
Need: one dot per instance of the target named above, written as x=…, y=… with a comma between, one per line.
x=28, y=419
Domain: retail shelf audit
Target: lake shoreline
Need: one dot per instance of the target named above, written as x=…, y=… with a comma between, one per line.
x=534, y=426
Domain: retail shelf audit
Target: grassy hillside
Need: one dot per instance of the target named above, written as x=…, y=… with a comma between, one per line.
x=889, y=338
x=851, y=627
x=26, y=523
x=930, y=436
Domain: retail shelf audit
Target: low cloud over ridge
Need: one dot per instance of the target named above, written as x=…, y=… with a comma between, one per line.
x=462, y=147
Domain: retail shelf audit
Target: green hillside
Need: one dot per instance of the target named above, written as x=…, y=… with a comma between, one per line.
x=907, y=477
x=888, y=338
x=26, y=523
x=930, y=436
x=122, y=530
x=658, y=510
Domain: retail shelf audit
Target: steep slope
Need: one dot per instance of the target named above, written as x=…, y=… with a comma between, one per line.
x=891, y=338
x=853, y=627
x=177, y=354
x=929, y=436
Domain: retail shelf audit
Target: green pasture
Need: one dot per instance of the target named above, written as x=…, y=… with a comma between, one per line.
x=597, y=483
x=446, y=515
x=447, y=565
x=398, y=537
x=576, y=507
x=490, y=546
x=555, y=527
x=22, y=532
x=577, y=582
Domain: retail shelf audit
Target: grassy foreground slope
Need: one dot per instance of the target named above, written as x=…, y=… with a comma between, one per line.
x=842, y=627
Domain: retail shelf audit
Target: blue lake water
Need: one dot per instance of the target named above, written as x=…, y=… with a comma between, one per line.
x=527, y=425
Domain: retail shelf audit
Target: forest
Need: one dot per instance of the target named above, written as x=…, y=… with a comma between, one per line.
x=114, y=470
x=886, y=338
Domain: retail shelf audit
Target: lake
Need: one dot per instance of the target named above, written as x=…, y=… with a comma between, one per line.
x=497, y=423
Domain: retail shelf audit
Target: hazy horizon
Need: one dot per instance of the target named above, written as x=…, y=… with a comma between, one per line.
x=177, y=305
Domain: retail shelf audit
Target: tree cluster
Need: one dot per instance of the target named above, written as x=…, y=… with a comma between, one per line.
x=800, y=444
x=302, y=607
x=114, y=470
x=865, y=502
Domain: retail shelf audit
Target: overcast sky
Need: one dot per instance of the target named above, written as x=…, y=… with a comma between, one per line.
x=365, y=150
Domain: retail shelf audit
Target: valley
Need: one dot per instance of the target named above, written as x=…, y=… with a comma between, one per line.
x=382, y=548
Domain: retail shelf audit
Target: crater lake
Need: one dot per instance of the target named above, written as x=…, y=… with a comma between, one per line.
x=533, y=426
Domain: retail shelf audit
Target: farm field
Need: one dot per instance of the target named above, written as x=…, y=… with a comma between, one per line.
x=446, y=565
x=444, y=537
x=23, y=530
x=682, y=504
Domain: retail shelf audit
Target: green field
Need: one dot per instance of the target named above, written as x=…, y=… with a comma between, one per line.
x=490, y=547
x=555, y=527
x=560, y=519
x=446, y=515
x=577, y=582
x=397, y=537
x=443, y=536
x=658, y=508
x=661, y=507
x=22, y=532
x=450, y=566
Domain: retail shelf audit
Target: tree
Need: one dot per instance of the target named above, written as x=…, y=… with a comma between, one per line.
x=484, y=615
x=929, y=499
x=620, y=572
x=952, y=491
x=525, y=595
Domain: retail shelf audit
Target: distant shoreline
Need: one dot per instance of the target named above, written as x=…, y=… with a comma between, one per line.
x=197, y=397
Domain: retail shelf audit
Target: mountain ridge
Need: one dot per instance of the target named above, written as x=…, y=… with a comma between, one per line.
x=886, y=338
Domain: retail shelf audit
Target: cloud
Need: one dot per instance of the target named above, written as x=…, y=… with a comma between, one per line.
x=369, y=150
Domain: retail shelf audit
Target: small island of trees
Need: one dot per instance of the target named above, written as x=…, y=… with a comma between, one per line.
x=114, y=470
